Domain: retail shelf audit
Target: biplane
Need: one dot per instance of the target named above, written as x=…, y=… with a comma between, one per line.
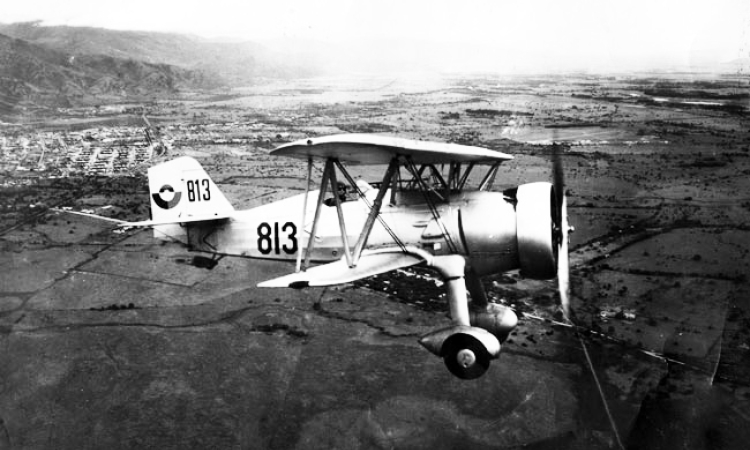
x=423, y=211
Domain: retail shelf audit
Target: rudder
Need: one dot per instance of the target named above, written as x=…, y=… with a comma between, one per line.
x=181, y=191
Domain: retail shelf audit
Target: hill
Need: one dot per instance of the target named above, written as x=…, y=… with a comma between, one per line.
x=37, y=76
x=237, y=64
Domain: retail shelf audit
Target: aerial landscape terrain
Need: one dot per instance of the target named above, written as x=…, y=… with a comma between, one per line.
x=112, y=339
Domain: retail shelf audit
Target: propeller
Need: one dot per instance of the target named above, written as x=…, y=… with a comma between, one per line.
x=561, y=230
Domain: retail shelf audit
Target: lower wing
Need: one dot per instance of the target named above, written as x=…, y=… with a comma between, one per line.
x=371, y=263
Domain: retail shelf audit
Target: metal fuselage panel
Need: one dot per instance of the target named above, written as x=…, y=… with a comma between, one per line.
x=489, y=232
x=479, y=225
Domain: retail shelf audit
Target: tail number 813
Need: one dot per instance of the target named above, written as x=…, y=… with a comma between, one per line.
x=277, y=238
x=198, y=190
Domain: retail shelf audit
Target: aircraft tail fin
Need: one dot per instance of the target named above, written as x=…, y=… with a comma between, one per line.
x=181, y=191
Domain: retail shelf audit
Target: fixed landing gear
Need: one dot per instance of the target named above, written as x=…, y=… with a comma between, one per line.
x=465, y=356
x=468, y=346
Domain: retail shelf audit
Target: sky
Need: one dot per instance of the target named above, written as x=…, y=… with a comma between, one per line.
x=575, y=33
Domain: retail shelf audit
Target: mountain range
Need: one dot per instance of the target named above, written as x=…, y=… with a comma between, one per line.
x=42, y=66
x=51, y=66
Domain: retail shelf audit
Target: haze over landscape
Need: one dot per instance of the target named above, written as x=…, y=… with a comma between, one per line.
x=87, y=53
x=503, y=36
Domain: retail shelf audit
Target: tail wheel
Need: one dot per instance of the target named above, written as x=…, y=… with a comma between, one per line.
x=465, y=356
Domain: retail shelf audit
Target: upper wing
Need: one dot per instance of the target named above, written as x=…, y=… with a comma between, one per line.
x=373, y=149
x=338, y=272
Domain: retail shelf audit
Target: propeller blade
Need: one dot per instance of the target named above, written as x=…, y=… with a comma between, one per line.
x=563, y=263
x=561, y=231
x=558, y=176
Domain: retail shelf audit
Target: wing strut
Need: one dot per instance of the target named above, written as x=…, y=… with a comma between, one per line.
x=431, y=204
x=352, y=256
x=374, y=209
x=453, y=171
x=321, y=197
x=436, y=177
x=489, y=179
x=465, y=176
x=339, y=212
x=304, y=212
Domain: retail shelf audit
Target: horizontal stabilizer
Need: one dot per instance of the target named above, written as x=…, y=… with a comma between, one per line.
x=338, y=272
x=154, y=223
x=119, y=222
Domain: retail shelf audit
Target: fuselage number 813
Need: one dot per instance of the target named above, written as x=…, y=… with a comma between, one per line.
x=270, y=239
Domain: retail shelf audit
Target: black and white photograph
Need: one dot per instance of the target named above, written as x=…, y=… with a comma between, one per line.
x=375, y=224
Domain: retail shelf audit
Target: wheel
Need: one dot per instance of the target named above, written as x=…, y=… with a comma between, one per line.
x=465, y=356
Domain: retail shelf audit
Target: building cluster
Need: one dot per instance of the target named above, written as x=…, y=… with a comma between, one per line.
x=123, y=149
x=95, y=151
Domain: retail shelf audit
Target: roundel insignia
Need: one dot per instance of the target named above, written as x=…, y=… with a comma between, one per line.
x=166, y=201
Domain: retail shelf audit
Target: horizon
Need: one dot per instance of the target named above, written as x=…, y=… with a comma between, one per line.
x=537, y=36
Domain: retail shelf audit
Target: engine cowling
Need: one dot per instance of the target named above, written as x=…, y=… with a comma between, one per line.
x=535, y=224
x=510, y=230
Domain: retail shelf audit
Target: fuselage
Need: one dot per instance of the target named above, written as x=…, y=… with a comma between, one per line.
x=479, y=225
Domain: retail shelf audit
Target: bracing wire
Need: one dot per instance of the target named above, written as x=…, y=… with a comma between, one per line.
x=431, y=204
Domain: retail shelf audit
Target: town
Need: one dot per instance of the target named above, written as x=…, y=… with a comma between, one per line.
x=119, y=150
